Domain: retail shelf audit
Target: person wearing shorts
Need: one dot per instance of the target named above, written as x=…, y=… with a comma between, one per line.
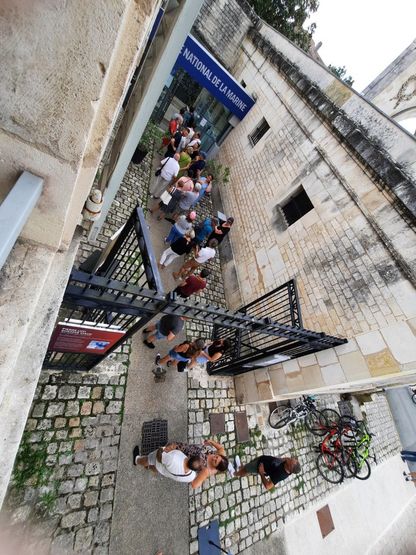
x=166, y=328
x=182, y=353
x=271, y=469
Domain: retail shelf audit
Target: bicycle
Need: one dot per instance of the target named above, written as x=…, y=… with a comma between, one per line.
x=335, y=460
x=284, y=415
x=361, y=451
x=345, y=450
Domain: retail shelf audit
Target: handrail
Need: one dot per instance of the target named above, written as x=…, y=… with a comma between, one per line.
x=15, y=211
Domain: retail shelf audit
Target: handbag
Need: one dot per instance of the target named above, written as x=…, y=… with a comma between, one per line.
x=165, y=197
x=159, y=170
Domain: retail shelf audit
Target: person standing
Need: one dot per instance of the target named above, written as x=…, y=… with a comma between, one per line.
x=206, y=185
x=212, y=352
x=189, y=198
x=211, y=453
x=201, y=257
x=167, y=328
x=197, y=165
x=221, y=231
x=182, y=353
x=193, y=285
x=175, y=142
x=183, y=224
x=271, y=469
x=183, y=245
x=204, y=229
x=170, y=463
x=169, y=169
x=185, y=161
x=195, y=142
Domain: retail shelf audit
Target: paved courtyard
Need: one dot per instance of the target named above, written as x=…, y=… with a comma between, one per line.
x=66, y=472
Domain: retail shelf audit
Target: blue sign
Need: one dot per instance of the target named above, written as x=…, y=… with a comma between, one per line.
x=209, y=73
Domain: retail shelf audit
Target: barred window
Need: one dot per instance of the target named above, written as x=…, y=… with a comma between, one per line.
x=297, y=206
x=258, y=133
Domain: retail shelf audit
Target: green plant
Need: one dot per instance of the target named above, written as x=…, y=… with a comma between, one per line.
x=47, y=500
x=220, y=172
x=30, y=465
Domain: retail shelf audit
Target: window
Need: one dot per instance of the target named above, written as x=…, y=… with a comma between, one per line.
x=297, y=206
x=258, y=133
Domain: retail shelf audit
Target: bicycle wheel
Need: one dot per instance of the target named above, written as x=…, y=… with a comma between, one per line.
x=279, y=417
x=363, y=469
x=414, y=398
x=316, y=423
x=330, y=468
x=350, y=467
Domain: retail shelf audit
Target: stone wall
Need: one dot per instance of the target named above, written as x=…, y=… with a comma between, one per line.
x=394, y=90
x=222, y=25
x=66, y=66
x=353, y=253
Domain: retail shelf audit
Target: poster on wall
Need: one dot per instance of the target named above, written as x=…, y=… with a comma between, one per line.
x=73, y=338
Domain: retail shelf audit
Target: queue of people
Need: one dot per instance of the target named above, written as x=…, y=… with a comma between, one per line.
x=180, y=184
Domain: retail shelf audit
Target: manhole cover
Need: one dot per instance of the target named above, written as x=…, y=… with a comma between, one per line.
x=326, y=523
x=241, y=426
x=154, y=435
x=217, y=423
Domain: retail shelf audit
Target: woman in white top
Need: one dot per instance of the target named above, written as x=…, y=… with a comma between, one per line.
x=171, y=463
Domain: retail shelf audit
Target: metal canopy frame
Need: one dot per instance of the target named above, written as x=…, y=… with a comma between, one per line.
x=126, y=293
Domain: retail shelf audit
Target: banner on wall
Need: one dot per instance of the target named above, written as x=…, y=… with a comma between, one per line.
x=72, y=338
x=211, y=75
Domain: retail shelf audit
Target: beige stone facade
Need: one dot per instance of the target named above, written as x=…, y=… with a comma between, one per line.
x=352, y=255
x=65, y=68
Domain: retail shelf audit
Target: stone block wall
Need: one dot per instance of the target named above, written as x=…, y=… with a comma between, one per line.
x=222, y=25
x=351, y=254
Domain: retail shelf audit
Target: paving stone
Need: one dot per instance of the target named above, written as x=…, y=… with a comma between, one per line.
x=92, y=469
x=91, y=498
x=114, y=407
x=86, y=408
x=73, y=519
x=49, y=392
x=83, y=539
x=62, y=544
x=55, y=409
x=97, y=392
x=74, y=501
x=80, y=484
x=72, y=408
x=84, y=392
x=67, y=392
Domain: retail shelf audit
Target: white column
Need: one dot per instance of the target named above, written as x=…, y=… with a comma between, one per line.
x=189, y=11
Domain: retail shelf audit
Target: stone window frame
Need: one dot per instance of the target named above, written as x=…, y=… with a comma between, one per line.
x=290, y=198
x=258, y=133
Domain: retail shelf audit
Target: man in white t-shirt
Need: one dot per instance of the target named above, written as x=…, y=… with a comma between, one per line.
x=169, y=170
x=201, y=257
x=171, y=463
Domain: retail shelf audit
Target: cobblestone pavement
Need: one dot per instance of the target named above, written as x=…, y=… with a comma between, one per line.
x=246, y=512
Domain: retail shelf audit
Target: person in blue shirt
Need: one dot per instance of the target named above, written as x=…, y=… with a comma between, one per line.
x=204, y=229
x=206, y=186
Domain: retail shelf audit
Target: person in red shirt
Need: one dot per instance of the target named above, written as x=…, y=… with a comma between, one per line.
x=192, y=285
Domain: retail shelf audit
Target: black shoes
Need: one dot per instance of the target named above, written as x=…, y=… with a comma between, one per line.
x=148, y=344
x=157, y=359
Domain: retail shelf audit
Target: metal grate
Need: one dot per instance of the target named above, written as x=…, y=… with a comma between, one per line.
x=258, y=133
x=154, y=435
